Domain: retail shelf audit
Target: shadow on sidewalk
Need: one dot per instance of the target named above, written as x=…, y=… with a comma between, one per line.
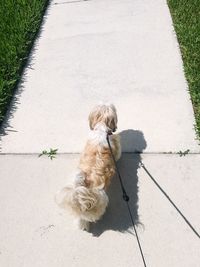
x=116, y=217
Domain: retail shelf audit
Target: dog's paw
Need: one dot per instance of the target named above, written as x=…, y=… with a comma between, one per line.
x=82, y=224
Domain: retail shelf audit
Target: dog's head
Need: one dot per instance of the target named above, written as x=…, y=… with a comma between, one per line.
x=104, y=113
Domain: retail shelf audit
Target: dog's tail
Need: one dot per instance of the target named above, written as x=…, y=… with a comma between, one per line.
x=86, y=203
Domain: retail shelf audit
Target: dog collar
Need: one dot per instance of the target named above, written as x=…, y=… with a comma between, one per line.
x=109, y=132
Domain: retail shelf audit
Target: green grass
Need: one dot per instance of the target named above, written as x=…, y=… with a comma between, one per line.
x=19, y=24
x=186, y=19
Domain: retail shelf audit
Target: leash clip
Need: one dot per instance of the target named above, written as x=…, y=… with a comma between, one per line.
x=125, y=197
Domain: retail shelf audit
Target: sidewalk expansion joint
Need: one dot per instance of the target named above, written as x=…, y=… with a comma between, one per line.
x=70, y=2
x=78, y=153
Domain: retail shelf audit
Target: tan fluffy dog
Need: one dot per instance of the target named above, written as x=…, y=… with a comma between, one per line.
x=87, y=198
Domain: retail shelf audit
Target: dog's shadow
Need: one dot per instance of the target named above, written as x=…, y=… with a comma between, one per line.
x=117, y=217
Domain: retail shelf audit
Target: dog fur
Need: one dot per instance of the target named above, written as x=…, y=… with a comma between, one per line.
x=87, y=198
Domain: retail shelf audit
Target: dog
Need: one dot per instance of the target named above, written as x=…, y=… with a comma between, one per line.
x=86, y=198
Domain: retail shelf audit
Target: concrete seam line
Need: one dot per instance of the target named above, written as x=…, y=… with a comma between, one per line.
x=78, y=153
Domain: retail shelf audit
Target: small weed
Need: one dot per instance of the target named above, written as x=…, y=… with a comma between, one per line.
x=183, y=153
x=51, y=154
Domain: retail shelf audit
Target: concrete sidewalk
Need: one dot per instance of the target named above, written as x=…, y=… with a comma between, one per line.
x=123, y=52
x=35, y=233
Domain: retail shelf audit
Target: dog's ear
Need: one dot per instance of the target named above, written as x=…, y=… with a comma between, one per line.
x=111, y=122
x=93, y=118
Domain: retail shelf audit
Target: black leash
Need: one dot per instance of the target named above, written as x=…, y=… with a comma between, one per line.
x=126, y=199
x=165, y=194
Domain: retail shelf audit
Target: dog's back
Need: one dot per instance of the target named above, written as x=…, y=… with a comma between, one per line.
x=96, y=161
